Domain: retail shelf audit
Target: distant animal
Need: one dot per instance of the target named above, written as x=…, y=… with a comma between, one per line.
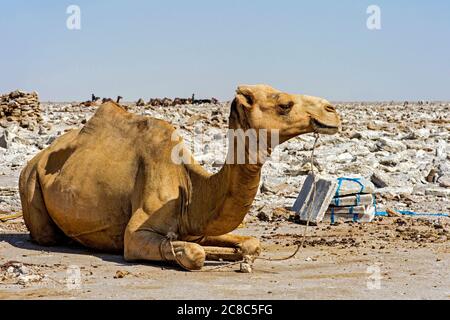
x=140, y=103
x=94, y=98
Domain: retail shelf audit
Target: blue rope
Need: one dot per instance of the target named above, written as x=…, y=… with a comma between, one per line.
x=355, y=215
x=411, y=213
x=358, y=199
x=332, y=215
x=336, y=196
x=375, y=203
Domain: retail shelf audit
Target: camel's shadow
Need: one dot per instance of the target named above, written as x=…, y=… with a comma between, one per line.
x=23, y=241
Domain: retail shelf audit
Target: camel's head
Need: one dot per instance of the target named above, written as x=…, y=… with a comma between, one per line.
x=263, y=107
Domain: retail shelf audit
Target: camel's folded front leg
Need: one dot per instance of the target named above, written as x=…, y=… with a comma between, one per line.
x=230, y=247
x=142, y=244
x=146, y=245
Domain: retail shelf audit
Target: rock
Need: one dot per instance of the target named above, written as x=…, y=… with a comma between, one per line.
x=444, y=181
x=264, y=215
x=395, y=191
x=281, y=214
x=246, y=265
x=390, y=145
x=24, y=279
x=437, y=192
x=375, y=126
x=6, y=139
x=432, y=176
x=390, y=161
x=380, y=180
x=267, y=187
x=344, y=158
x=356, y=135
x=4, y=143
x=121, y=274
x=441, y=150
x=392, y=213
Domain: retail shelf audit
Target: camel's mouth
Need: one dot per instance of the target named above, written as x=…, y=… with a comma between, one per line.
x=323, y=128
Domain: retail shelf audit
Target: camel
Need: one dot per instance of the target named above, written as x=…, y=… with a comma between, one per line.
x=114, y=186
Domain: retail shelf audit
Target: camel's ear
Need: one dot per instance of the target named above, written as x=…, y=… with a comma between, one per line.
x=246, y=96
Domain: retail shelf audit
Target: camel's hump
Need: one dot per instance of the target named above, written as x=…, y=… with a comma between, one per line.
x=111, y=118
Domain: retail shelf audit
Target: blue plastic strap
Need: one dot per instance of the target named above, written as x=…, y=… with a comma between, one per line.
x=355, y=215
x=336, y=196
x=411, y=213
x=332, y=215
x=375, y=203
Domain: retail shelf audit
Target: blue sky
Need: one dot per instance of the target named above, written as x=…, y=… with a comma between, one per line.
x=140, y=48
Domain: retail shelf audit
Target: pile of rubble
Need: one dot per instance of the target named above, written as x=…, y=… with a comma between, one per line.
x=20, y=107
x=14, y=272
x=167, y=102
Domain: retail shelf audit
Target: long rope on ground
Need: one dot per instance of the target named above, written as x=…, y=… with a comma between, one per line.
x=310, y=206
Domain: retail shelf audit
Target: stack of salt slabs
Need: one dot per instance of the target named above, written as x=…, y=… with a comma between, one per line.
x=344, y=199
x=353, y=200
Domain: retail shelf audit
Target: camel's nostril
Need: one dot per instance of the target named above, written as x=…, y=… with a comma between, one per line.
x=330, y=108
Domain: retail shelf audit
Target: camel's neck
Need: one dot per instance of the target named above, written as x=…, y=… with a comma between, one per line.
x=220, y=202
x=236, y=188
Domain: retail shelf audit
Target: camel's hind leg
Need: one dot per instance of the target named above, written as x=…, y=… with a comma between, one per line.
x=42, y=228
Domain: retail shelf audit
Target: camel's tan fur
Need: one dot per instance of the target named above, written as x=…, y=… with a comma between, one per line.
x=113, y=186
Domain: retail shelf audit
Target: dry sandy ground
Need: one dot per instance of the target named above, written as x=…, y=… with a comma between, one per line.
x=391, y=258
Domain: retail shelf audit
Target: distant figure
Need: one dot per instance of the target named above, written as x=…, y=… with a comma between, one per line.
x=140, y=103
x=94, y=98
x=118, y=99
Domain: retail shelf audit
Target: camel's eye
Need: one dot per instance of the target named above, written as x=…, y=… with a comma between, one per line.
x=285, y=108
